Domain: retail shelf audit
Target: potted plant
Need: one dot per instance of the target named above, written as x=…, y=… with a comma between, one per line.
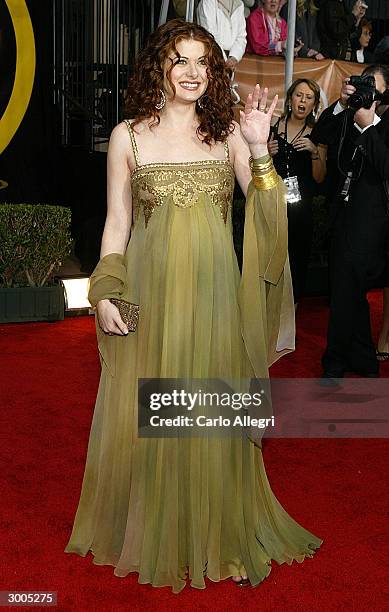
x=34, y=240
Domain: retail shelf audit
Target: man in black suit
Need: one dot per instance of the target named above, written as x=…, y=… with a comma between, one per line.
x=360, y=225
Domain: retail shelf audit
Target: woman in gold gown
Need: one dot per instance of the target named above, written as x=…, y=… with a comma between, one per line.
x=173, y=509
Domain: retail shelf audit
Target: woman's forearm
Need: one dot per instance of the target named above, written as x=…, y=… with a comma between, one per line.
x=115, y=236
x=319, y=164
x=318, y=170
x=258, y=150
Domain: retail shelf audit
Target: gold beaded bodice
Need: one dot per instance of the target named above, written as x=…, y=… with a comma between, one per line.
x=183, y=183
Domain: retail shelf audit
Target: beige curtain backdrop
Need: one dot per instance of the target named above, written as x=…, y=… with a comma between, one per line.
x=269, y=72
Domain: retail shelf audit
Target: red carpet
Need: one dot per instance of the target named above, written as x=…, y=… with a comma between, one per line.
x=336, y=488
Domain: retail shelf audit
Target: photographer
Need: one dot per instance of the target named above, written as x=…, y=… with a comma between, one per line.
x=357, y=127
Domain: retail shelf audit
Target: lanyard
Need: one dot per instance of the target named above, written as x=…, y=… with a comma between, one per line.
x=287, y=144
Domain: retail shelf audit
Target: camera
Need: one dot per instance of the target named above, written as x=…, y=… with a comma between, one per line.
x=365, y=93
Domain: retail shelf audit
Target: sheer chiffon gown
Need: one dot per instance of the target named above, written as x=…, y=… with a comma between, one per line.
x=174, y=508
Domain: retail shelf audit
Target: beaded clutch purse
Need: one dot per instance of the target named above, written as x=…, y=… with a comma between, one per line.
x=129, y=313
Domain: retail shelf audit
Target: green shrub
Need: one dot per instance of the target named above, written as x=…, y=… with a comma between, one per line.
x=34, y=240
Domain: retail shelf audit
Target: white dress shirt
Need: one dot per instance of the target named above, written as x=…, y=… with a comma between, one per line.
x=230, y=33
x=339, y=108
x=360, y=56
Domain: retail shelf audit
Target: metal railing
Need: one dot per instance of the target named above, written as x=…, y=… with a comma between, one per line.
x=95, y=44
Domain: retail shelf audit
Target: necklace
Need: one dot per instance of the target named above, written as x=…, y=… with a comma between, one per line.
x=288, y=144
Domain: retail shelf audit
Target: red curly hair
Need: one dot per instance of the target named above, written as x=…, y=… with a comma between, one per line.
x=215, y=114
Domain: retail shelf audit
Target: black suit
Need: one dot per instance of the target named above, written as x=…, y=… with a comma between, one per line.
x=359, y=231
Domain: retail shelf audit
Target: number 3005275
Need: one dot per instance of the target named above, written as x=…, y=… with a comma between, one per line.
x=28, y=598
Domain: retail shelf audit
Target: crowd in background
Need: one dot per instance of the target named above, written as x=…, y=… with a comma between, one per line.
x=335, y=29
x=324, y=29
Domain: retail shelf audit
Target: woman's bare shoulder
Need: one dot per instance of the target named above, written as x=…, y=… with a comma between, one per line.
x=120, y=140
x=123, y=128
x=119, y=134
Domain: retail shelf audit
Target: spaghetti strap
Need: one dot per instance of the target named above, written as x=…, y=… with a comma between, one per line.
x=133, y=141
x=227, y=150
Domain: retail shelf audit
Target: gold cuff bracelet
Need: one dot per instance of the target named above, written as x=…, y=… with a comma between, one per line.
x=263, y=173
x=266, y=181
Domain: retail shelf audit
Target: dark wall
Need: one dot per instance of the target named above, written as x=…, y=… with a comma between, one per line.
x=7, y=56
x=29, y=163
x=37, y=168
x=35, y=165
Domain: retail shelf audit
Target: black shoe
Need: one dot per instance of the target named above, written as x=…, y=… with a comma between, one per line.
x=330, y=374
x=366, y=374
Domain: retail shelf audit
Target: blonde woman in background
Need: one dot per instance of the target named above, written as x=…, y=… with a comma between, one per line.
x=302, y=164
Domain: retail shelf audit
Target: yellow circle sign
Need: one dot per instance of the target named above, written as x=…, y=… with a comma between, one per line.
x=24, y=72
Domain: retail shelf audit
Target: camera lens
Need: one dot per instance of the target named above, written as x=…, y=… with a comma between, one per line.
x=355, y=101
